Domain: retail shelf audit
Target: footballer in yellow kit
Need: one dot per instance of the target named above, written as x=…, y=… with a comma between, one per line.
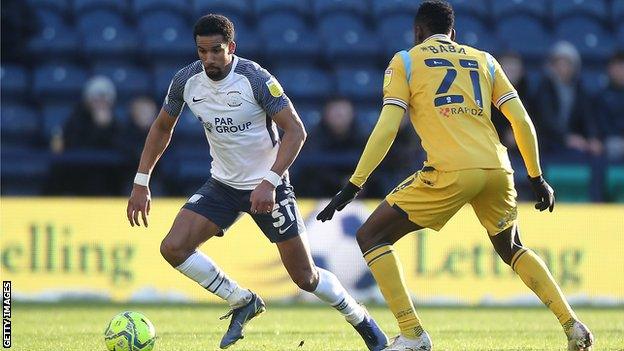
x=448, y=89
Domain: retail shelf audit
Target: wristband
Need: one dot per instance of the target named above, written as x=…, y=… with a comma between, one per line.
x=141, y=179
x=273, y=178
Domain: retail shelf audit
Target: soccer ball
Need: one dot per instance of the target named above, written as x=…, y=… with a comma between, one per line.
x=130, y=331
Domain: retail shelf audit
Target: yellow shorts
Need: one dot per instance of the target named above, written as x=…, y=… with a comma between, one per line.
x=431, y=197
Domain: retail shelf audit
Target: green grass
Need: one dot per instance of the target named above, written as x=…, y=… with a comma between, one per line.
x=197, y=327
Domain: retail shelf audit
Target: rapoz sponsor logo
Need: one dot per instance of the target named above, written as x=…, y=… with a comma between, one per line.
x=6, y=314
x=460, y=110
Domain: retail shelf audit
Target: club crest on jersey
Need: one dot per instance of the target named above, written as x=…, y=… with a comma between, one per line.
x=387, y=77
x=233, y=98
x=275, y=88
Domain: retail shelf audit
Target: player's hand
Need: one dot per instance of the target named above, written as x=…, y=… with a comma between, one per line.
x=262, y=198
x=544, y=193
x=339, y=201
x=139, y=202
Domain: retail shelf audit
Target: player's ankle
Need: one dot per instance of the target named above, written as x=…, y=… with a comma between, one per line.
x=239, y=297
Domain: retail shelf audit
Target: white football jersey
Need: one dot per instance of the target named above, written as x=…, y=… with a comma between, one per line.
x=235, y=113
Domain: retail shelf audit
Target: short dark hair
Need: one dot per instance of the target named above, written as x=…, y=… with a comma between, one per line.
x=436, y=15
x=212, y=24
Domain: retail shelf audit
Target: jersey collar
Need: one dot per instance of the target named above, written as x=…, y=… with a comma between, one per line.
x=438, y=36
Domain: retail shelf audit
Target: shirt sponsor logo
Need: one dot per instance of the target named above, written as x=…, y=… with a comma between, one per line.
x=460, y=110
x=387, y=77
x=224, y=125
x=275, y=88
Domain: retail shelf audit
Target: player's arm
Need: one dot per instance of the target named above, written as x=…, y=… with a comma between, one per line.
x=276, y=104
x=157, y=141
x=294, y=136
x=396, y=96
x=507, y=101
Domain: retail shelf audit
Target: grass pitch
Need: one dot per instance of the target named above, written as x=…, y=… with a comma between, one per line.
x=197, y=327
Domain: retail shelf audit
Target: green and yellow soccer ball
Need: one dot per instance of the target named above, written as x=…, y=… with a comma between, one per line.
x=130, y=331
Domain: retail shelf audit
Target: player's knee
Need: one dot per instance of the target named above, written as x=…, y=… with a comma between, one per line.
x=506, y=244
x=172, y=251
x=306, y=280
x=364, y=238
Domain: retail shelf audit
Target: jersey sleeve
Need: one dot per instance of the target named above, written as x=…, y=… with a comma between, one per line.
x=395, y=84
x=174, y=100
x=266, y=89
x=502, y=89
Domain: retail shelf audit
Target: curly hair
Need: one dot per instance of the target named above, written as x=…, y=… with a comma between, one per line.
x=212, y=24
x=436, y=15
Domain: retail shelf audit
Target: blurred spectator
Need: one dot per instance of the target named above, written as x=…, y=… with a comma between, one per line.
x=563, y=118
x=89, y=162
x=513, y=66
x=332, y=150
x=611, y=104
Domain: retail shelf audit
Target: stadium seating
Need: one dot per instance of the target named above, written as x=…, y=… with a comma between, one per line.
x=54, y=81
x=589, y=36
x=129, y=80
x=618, y=11
x=304, y=83
x=310, y=114
x=237, y=8
x=397, y=33
x=106, y=35
x=564, y=8
x=81, y=6
x=594, y=79
x=394, y=7
x=471, y=31
x=19, y=177
x=347, y=40
x=536, y=8
x=291, y=40
x=59, y=6
x=532, y=42
x=55, y=39
x=477, y=8
x=166, y=35
x=145, y=6
x=163, y=74
x=268, y=7
x=361, y=85
x=15, y=82
x=20, y=125
x=322, y=8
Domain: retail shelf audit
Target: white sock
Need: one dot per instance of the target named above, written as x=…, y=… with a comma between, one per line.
x=205, y=272
x=331, y=291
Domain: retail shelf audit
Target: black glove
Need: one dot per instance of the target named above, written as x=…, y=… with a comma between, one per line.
x=544, y=193
x=340, y=200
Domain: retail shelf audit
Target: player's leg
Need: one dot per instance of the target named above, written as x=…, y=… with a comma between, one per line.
x=179, y=248
x=381, y=230
x=496, y=209
x=296, y=257
x=285, y=227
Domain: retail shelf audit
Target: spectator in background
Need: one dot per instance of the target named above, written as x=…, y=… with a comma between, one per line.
x=564, y=122
x=332, y=149
x=513, y=66
x=611, y=104
x=19, y=23
x=89, y=162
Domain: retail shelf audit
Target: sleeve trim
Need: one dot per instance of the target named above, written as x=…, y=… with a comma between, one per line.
x=505, y=97
x=395, y=101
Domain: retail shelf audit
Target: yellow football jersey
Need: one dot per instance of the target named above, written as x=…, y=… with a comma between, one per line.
x=448, y=89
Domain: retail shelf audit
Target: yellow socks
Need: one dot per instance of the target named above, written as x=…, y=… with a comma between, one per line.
x=388, y=273
x=534, y=273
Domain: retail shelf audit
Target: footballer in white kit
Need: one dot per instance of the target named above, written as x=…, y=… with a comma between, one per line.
x=240, y=107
